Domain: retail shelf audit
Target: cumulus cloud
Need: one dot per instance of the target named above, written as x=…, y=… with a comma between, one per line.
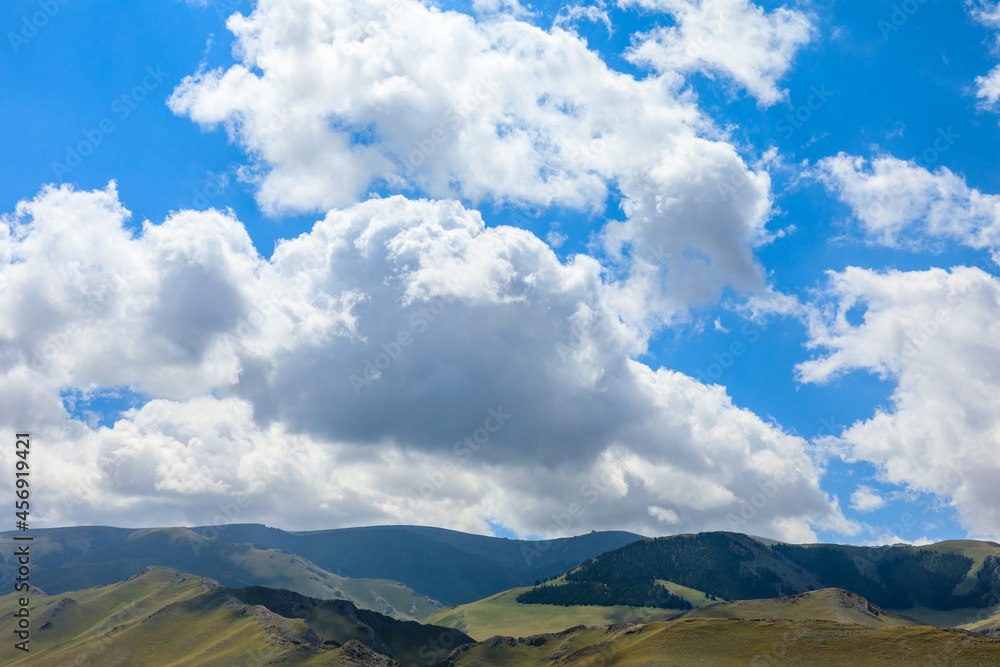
x=900, y=203
x=85, y=301
x=334, y=99
x=934, y=334
x=988, y=86
x=733, y=38
x=866, y=499
x=570, y=15
x=399, y=362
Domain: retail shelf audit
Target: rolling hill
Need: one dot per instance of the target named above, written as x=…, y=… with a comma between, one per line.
x=829, y=604
x=947, y=576
x=64, y=565
x=735, y=643
x=162, y=616
x=502, y=614
x=445, y=565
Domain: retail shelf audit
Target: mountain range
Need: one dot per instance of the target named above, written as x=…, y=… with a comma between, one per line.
x=405, y=595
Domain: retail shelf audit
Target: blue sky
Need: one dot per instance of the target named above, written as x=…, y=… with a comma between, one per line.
x=860, y=83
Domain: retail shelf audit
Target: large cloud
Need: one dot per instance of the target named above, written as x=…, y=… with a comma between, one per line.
x=337, y=98
x=471, y=332
x=936, y=335
x=902, y=203
x=734, y=38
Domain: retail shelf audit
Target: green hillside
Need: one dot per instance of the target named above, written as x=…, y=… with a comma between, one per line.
x=235, y=565
x=447, y=565
x=444, y=565
x=959, y=575
x=727, y=565
x=736, y=643
x=502, y=614
x=829, y=604
x=166, y=617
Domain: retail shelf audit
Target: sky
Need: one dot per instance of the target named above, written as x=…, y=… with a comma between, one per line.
x=528, y=270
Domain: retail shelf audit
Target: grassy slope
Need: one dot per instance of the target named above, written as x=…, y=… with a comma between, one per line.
x=501, y=614
x=829, y=604
x=450, y=566
x=740, y=642
x=105, y=626
x=987, y=622
x=234, y=565
x=166, y=617
x=446, y=565
x=695, y=597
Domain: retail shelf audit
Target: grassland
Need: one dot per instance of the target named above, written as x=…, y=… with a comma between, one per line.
x=737, y=643
x=232, y=564
x=166, y=617
x=830, y=604
x=501, y=614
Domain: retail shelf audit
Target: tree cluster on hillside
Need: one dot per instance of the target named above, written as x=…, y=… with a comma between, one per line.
x=715, y=563
x=893, y=577
x=737, y=567
x=638, y=593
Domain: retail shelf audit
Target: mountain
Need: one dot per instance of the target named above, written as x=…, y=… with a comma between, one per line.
x=731, y=566
x=502, y=614
x=445, y=565
x=67, y=560
x=735, y=643
x=829, y=604
x=162, y=616
x=448, y=565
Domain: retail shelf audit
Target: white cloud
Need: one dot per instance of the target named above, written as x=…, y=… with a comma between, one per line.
x=492, y=321
x=866, y=499
x=569, y=15
x=735, y=38
x=336, y=98
x=901, y=203
x=935, y=335
x=84, y=301
x=988, y=86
